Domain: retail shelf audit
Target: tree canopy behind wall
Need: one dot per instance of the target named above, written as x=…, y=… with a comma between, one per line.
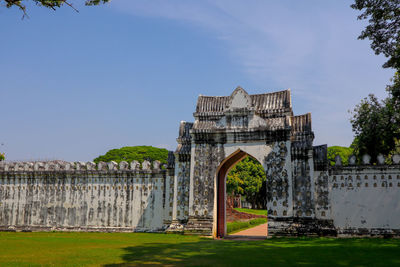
x=342, y=151
x=247, y=178
x=130, y=153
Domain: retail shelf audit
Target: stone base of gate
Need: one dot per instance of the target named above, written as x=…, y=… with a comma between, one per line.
x=176, y=227
x=277, y=227
x=32, y=228
x=199, y=226
x=280, y=227
x=373, y=232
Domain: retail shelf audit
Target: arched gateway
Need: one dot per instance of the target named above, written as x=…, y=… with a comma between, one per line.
x=220, y=192
x=226, y=129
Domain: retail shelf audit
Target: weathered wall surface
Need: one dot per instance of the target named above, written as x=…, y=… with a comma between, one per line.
x=83, y=197
x=322, y=195
x=365, y=198
x=206, y=159
x=277, y=165
x=358, y=199
x=181, y=191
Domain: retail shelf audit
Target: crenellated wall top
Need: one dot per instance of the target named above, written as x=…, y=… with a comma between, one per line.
x=366, y=161
x=112, y=166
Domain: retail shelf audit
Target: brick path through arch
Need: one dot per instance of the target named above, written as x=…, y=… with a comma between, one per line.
x=257, y=231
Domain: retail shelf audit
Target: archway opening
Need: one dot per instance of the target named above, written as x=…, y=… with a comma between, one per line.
x=241, y=196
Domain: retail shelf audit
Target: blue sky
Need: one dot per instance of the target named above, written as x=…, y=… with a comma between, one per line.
x=74, y=85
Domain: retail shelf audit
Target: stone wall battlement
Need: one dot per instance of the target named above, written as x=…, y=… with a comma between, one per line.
x=365, y=177
x=366, y=160
x=112, y=166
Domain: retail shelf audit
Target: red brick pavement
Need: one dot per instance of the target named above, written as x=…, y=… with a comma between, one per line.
x=257, y=231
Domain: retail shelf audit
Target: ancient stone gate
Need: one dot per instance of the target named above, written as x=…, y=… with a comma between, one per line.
x=227, y=129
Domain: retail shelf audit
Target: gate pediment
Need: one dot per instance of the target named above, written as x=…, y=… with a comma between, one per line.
x=244, y=119
x=239, y=100
x=243, y=112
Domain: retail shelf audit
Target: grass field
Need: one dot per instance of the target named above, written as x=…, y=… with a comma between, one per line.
x=253, y=211
x=118, y=249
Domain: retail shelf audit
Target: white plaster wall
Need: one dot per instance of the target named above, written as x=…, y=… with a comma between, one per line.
x=169, y=199
x=107, y=200
x=356, y=205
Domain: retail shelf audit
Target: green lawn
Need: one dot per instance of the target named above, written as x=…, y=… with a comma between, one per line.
x=253, y=211
x=115, y=249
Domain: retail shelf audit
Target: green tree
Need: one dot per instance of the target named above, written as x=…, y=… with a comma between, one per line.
x=371, y=128
x=130, y=153
x=247, y=178
x=393, y=101
x=2, y=156
x=376, y=124
x=52, y=4
x=395, y=150
x=343, y=152
x=234, y=183
x=393, y=108
x=383, y=29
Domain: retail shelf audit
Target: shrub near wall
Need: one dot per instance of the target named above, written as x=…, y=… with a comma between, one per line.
x=342, y=151
x=130, y=153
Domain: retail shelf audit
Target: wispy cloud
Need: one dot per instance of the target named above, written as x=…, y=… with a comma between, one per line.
x=310, y=46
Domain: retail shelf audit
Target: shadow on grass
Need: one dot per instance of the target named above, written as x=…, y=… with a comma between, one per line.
x=314, y=252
